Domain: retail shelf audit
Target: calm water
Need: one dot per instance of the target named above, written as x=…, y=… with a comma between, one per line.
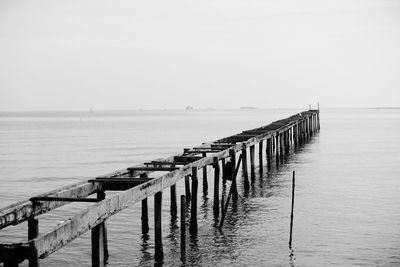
x=347, y=209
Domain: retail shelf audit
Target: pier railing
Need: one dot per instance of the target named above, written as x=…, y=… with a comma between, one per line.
x=136, y=185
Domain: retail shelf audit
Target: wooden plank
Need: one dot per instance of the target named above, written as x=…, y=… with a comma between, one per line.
x=155, y=162
x=145, y=168
x=67, y=199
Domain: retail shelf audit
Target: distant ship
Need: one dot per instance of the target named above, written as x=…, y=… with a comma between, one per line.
x=189, y=108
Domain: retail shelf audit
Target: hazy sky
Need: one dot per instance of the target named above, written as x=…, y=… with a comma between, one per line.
x=77, y=55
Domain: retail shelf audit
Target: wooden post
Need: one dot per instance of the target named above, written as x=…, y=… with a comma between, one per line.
x=193, y=210
x=216, y=186
x=205, y=182
x=158, y=252
x=260, y=156
x=252, y=163
x=222, y=171
x=98, y=246
x=232, y=155
x=269, y=152
x=187, y=188
x=33, y=232
x=183, y=228
x=287, y=143
x=173, y=201
x=291, y=214
x=102, y=195
x=277, y=147
x=145, y=217
x=244, y=167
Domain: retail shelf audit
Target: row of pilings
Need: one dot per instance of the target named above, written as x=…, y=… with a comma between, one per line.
x=225, y=156
x=272, y=149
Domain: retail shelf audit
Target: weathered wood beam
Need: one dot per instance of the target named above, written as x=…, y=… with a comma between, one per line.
x=21, y=211
x=67, y=199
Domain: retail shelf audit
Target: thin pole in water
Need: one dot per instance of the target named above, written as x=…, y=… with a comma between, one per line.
x=291, y=214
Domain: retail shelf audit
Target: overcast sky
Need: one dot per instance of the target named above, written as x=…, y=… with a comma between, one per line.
x=77, y=55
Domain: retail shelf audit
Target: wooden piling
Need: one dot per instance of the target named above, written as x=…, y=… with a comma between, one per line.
x=244, y=167
x=205, y=182
x=252, y=163
x=260, y=156
x=102, y=195
x=232, y=155
x=33, y=232
x=291, y=213
x=158, y=247
x=222, y=170
x=187, y=188
x=216, y=186
x=97, y=239
x=277, y=146
x=269, y=152
x=145, y=217
x=183, y=228
x=173, y=201
x=193, y=209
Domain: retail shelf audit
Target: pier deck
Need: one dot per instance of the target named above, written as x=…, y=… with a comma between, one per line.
x=137, y=183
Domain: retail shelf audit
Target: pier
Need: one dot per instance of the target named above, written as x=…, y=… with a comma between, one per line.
x=136, y=184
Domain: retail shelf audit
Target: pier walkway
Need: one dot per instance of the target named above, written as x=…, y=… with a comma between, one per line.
x=137, y=183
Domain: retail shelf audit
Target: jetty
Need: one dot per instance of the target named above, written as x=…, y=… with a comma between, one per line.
x=136, y=184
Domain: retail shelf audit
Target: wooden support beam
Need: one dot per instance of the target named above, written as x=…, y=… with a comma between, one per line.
x=98, y=246
x=205, y=182
x=167, y=163
x=187, y=188
x=33, y=232
x=193, y=209
x=269, y=153
x=216, y=186
x=67, y=199
x=174, y=208
x=158, y=247
x=102, y=195
x=252, y=163
x=145, y=217
x=278, y=146
x=188, y=159
x=183, y=227
x=145, y=168
x=260, y=156
x=222, y=170
x=245, y=172
x=21, y=211
x=232, y=155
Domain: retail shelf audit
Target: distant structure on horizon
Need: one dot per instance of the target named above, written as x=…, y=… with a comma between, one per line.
x=248, y=107
x=189, y=108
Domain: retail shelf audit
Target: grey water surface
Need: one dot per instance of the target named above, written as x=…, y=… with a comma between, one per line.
x=347, y=208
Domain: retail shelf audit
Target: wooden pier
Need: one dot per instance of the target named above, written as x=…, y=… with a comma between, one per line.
x=135, y=184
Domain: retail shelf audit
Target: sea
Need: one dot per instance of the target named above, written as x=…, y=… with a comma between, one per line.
x=347, y=194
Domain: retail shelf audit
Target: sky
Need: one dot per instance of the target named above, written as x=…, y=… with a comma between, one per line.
x=154, y=54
